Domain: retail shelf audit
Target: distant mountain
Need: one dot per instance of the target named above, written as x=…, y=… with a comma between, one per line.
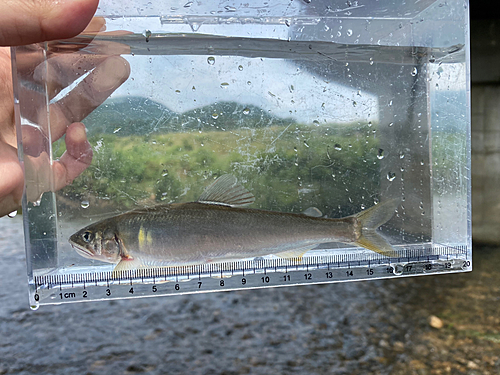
x=139, y=116
x=128, y=116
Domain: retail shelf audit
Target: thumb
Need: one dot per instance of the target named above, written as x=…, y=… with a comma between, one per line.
x=31, y=21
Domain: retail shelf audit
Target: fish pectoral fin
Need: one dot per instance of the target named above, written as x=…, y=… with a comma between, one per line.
x=295, y=253
x=126, y=267
x=227, y=191
x=373, y=241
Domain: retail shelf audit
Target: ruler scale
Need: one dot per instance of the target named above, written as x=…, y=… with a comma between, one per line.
x=249, y=274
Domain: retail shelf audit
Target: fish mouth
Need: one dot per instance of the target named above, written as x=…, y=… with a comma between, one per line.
x=83, y=251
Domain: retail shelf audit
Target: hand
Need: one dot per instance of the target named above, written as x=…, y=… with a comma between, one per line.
x=107, y=72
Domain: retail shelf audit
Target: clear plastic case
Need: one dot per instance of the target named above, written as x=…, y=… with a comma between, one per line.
x=311, y=110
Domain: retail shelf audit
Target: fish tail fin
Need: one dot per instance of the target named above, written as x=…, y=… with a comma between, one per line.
x=369, y=220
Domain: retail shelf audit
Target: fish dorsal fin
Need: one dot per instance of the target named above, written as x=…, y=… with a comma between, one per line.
x=313, y=212
x=227, y=191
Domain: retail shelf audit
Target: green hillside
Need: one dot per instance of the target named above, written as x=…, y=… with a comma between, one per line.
x=140, y=116
x=288, y=168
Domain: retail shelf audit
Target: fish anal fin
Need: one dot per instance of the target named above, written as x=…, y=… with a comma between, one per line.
x=227, y=191
x=295, y=253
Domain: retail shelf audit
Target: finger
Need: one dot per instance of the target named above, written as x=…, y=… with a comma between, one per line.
x=91, y=92
x=12, y=181
x=63, y=69
x=96, y=25
x=35, y=141
x=76, y=158
x=32, y=21
x=31, y=56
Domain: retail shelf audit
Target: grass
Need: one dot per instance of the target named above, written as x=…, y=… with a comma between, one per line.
x=287, y=168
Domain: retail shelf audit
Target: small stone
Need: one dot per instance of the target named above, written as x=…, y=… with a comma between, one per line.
x=383, y=344
x=398, y=346
x=435, y=322
x=421, y=350
x=472, y=365
x=415, y=364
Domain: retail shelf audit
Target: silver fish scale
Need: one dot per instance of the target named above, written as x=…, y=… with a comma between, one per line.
x=203, y=232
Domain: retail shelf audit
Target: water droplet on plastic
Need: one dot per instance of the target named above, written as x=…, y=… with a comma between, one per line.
x=195, y=26
x=85, y=204
x=391, y=176
x=146, y=33
x=193, y=88
x=164, y=173
x=316, y=122
x=177, y=91
x=370, y=124
x=305, y=144
x=287, y=22
x=391, y=124
x=12, y=214
x=224, y=85
x=349, y=32
x=240, y=68
x=246, y=111
x=34, y=307
x=422, y=162
x=414, y=71
x=249, y=83
x=401, y=155
x=307, y=1
x=363, y=207
x=337, y=147
x=116, y=130
x=229, y=8
x=390, y=103
x=397, y=269
x=371, y=60
x=211, y=60
x=188, y=4
x=380, y=154
x=215, y=116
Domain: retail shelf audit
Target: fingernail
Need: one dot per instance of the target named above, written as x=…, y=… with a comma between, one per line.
x=78, y=133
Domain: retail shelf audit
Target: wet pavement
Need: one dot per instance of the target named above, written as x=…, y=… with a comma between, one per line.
x=446, y=324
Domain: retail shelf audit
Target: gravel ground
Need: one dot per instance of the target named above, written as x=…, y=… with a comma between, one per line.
x=424, y=325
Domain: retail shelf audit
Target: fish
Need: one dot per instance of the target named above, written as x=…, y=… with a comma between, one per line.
x=218, y=227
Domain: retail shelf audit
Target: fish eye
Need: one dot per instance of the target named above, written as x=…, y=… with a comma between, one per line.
x=87, y=236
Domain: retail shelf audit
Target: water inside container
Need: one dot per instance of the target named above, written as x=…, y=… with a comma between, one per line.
x=301, y=122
